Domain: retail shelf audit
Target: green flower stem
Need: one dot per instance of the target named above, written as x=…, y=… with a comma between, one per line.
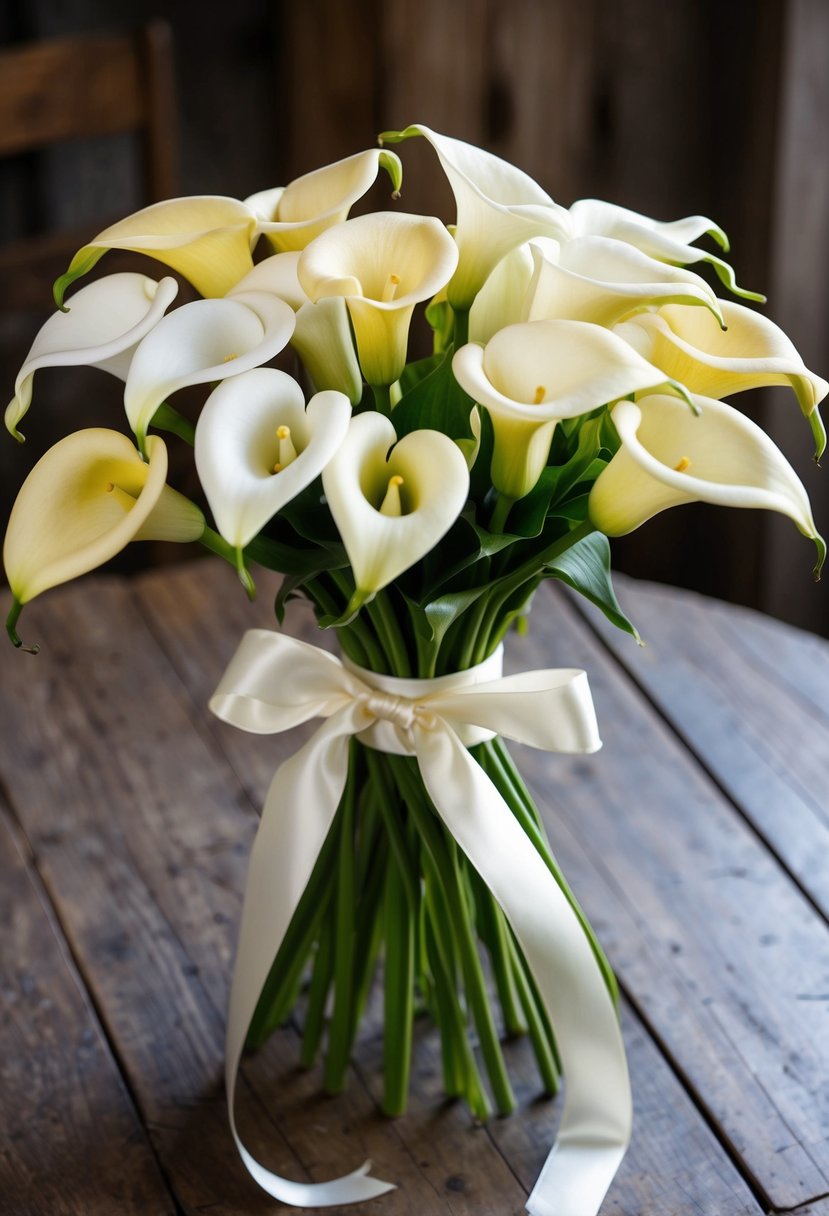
x=318, y=994
x=537, y=1024
x=382, y=398
x=339, y=1031
x=503, y=506
x=217, y=544
x=166, y=418
x=355, y=639
x=389, y=806
x=369, y=934
x=382, y=617
x=461, y=335
x=398, y=994
x=469, y=625
x=444, y=854
x=492, y=929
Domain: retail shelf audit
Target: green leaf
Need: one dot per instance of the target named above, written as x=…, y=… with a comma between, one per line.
x=413, y=373
x=586, y=568
x=436, y=402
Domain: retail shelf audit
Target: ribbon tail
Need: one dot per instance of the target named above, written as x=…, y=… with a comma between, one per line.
x=596, y=1120
x=296, y=819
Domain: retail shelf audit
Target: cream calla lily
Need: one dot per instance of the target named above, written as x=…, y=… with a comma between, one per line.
x=291, y=216
x=689, y=346
x=498, y=208
x=531, y=375
x=206, y=238
x=202, y=342
x=83, y=502
x=382, y=264
x=669, y=456
x=392, y=509
x=106, y=321
x=322, y=334
x=599, y=279
x=258, y=445
x=503, y=298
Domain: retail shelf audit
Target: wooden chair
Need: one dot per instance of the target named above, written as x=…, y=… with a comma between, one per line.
x=76, y=87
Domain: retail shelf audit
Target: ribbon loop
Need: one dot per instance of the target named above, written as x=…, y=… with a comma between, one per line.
x=273, y=683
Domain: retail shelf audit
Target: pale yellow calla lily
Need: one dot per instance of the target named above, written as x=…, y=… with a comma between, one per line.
x=602, y=280
x=291, y=216
x=503, y=299
x=531, y=375
x=258, y=445
x=670, y=456
x=383, y=264
x=689, y=346
x=498, y=208
x=200, y=343
x=206, y=238
x=391, y=509
x=105, y=323
x=83, y=502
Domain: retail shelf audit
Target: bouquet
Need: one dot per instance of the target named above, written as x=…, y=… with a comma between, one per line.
x=574, y=389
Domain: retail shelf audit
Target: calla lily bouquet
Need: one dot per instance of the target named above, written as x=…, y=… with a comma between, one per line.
x=575, y=388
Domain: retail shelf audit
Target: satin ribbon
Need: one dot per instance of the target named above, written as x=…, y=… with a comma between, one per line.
x=275, y=682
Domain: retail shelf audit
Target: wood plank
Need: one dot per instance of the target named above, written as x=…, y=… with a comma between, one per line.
x=750, y=696
x=724, y=958
x=672, y=1143
x=64, y=1104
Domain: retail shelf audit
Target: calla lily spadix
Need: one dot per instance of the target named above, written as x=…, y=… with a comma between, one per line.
x=669, y=455
x=206, y=238
x=383, y=264
x=391, y=509
x=498, y=208
x=105, y=323
x=750, y=352
x=291, y=216
x=258, y=445
x=531, y=375
x=83, y=502
x=202, y=342
x=598, y=279
x=322, y=334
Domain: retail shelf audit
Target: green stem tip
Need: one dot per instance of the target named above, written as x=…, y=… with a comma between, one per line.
x=11, y=629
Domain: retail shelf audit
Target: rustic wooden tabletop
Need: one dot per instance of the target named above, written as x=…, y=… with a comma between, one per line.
x=697, y=840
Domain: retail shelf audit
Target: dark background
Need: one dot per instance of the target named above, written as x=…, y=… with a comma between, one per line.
x=671, y=109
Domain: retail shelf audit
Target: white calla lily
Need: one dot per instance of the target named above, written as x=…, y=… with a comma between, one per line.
x=669, y=456
x=602, y=280
x=83, y=502
x=498, y=208
x=531, y=375
x=106, y=321
x=202, y=342
x=258, y=445
x=502, y=300
x=382, y=264
x=206, y=238
x=391, y=509
x=291, y=216
x=667, y=241
x=689, y=346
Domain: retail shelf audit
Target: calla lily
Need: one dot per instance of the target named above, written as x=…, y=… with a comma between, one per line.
x=751, y=351
x=670, y=455
x=322, y=334
x=531, y=375
x=502, y=300
x=391, y=509
x=206, y=238
x=291, y=216
x=383, y=264
x=258, y=445
x=499, y=207
x=667, y=241
x=599, y=279
x=202, y=342
x=106, y=322
x=83, y=502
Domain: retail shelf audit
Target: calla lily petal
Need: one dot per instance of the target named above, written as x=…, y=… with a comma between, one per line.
x=83, y=502
x=498, y=205
x=431, y=483
x=238, y=447
x=669, y=455
x=750, y=352
x=531, y=375
x=277, y=275
x=202, y=342
x=383, y=264
x=602, y=280
x=105, y=323
x=206, y=238
x=502, y=300
x=292, y=216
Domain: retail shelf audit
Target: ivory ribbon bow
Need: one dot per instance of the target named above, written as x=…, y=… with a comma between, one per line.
x=275, y=682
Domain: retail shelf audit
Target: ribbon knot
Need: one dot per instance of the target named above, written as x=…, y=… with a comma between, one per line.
x=402, y=712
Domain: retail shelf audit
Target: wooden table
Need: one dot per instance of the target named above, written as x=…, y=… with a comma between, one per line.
x=697, y=841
